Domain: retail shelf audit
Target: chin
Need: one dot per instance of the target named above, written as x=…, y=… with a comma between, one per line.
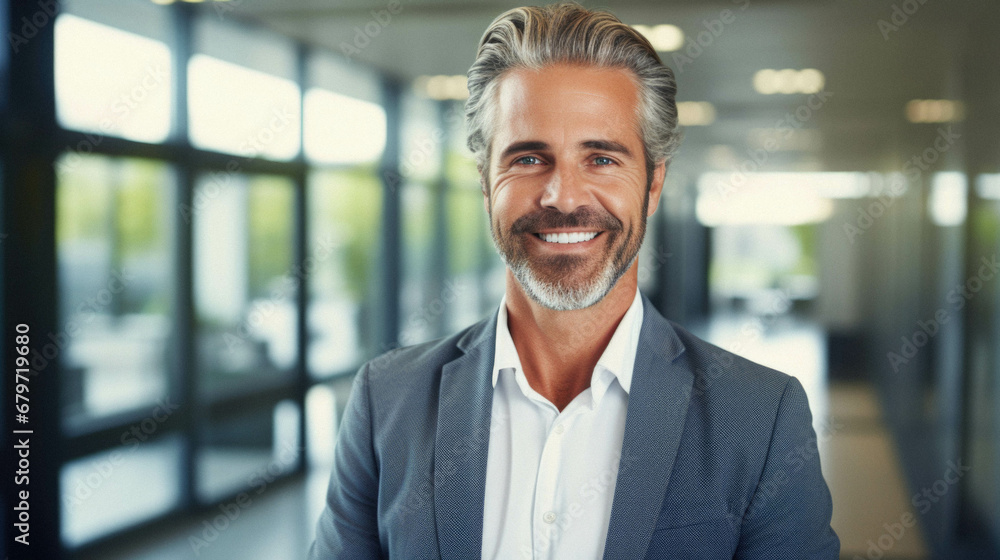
x=558, y=297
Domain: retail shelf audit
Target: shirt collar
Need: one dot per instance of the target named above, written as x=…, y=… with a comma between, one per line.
x=506, y=354
x=617, y=361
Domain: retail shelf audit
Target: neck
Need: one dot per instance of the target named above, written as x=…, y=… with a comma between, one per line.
x=559, y=349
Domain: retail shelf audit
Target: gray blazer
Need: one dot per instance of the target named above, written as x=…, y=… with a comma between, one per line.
x=719, y=458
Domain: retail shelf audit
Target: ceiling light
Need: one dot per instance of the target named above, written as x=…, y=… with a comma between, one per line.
x=934, y=111
x=442, y=87
x=765, y=81
x=695, y=113
x=809, y=80
x=787, y=81
x=663, y=37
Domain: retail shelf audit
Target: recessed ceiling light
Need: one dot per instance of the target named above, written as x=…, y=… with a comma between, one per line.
x=695, y=113
x=663, y=37
x=787, y=81
x=935, y=111
x=442, y=87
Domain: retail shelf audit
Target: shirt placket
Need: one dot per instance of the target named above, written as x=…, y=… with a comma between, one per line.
x=547, y=514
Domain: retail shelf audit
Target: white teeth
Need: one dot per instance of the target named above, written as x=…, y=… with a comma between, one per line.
x=575, y=237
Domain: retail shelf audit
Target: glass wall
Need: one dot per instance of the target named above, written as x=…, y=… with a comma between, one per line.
x=345, y=137
x=982, y=292
x=112, y=82
x=421, y=142
x=178, y=258
x=345, y=208
x=244, y=283
x=115, y=232
x=475, y=271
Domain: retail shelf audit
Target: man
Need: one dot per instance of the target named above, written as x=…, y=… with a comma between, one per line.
x=576, y=422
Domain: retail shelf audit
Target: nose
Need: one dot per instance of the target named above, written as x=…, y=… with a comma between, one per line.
x=565, y=190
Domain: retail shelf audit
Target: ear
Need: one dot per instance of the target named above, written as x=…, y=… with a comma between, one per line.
x=659, y=174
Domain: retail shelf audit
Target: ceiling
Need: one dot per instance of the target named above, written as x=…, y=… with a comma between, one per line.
x=871, y=71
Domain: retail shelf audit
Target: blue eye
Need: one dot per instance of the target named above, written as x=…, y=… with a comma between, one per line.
x=524, y=158
x=601, y=160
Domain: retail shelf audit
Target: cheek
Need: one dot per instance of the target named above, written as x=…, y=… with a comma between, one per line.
x=502, y=215
x=625, y=206
x=511, y=202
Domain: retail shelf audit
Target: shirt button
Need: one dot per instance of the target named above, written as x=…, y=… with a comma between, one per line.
x=559, y=429
x=549, y=517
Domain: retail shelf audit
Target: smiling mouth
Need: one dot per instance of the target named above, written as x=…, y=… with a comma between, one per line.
x=568, y=238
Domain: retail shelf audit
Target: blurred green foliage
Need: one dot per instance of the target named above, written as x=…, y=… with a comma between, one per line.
x=346, y=206
x=122, y=204
x=271, y=233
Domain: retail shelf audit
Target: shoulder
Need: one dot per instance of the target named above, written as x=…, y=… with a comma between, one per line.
x=714, y=361
x=733, y=386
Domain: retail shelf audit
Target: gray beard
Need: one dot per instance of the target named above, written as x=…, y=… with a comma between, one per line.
x=565, y=298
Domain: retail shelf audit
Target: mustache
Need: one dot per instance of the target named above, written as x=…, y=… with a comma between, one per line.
x=548, y=218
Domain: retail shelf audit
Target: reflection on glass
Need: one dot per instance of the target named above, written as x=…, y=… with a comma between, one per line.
x=240, y=111
x=463, y=177
x=466, y=256
x=248, y=452
x=420, y=308
x=421, y=139
x=114, y=230
x=344, y=224
x=341, y=129
x=110, y=81
x=321, y=425
x=244, y=282
x=114, y=489
x=947, y=202
x=759, y=265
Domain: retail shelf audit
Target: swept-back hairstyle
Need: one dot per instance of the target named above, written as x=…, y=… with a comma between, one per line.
x=533, y=37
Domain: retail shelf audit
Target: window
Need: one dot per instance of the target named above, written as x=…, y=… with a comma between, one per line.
x=248, y=450
x=475, y=269
x=114, y=239
x=240, y=111
x=423, y=299
x=341, y=129
x=119, y=487
x=344, y=223
x=111, y=82
x=244, y=283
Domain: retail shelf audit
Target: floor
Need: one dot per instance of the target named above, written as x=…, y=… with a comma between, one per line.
x=859, y=462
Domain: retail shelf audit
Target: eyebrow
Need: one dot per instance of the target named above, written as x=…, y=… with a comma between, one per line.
x=536, y=145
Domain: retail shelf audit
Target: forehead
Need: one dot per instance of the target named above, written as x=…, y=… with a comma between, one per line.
x=567, y=99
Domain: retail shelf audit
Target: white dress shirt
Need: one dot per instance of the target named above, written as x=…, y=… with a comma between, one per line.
x=550, y=475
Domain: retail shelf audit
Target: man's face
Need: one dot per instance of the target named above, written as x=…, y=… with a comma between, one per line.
x=568, y=201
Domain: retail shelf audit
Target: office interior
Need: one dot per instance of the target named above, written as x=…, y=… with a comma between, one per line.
x=212, y=213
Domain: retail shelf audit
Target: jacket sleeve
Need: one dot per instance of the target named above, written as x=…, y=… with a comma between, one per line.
x=348, y=527
x=789, y=514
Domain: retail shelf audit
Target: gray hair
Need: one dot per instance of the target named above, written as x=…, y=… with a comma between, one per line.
x=533, y=37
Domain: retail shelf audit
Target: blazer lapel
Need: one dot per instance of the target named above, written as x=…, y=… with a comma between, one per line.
x=462, y=442
x=657, y=406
